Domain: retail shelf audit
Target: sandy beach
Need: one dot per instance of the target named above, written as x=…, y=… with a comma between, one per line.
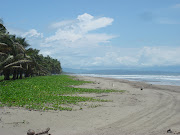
x=151, y=111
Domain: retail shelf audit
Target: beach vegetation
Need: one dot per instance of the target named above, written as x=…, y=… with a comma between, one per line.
x=54, y=92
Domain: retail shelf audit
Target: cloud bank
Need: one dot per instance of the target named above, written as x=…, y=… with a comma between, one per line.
x=140, y=57
x=78, y=44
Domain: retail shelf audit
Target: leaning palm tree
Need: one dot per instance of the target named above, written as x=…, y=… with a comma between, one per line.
x=14, y=57
x=16, y=60
x=12, y=53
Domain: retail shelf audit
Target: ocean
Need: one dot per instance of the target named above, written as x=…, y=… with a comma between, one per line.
x=151, y=77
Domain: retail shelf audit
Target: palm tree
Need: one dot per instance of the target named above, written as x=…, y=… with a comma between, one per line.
x=2, y=27
x=12, y=54
x=16, y=60
x=20, y=40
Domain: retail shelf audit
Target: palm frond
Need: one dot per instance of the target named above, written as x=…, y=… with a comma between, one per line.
x=3, y=44
x=7, y=60
x=16, y=67
x=18, y=62
x=3, y=54
x=20, y=47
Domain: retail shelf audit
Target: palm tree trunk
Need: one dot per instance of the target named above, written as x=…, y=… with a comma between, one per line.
x=15, y=74
x=6, y=74
x=27, y=72
x=21, y=72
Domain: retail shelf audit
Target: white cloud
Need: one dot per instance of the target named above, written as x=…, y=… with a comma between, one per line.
x=28, y=34
x=98, y=38
x=77, y=31
x=146, y=56
x=66, y=35
x=88, y=23
x=115, y=57
x=61, y=24
x=32, y=33
x=159, y=56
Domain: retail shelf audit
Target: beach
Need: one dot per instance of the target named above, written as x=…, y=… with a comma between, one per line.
x=143, y=109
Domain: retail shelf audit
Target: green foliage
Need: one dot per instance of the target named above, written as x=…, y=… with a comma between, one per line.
x=20, y=40
x=52, y=66
x=16, y=60
x=2, y=27
x=44, y=93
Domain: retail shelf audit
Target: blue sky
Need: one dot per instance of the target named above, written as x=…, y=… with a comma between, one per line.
x=99, y=33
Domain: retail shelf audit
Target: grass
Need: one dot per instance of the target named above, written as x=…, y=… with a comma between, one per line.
x=45, y=93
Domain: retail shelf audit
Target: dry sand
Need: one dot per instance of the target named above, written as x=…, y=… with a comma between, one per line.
x=151, y=111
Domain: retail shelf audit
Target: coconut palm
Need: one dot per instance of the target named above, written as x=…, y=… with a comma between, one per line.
x=16, y=60
x=12, y=54
x=2, y=27
x=20, y=40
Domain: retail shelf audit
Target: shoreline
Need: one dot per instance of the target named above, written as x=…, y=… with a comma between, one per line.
x=150, y=79
x=153, y=110
x=137, y=84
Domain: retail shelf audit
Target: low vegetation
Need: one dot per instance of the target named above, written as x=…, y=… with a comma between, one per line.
x=45, y=92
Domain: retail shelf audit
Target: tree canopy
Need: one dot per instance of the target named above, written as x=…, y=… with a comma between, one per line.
x=17, y=60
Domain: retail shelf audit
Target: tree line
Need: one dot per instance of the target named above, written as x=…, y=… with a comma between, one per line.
x=17, y=59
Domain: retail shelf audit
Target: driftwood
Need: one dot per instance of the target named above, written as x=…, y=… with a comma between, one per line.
x=32, y=132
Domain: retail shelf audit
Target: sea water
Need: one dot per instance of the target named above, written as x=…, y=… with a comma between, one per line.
x=161, y=78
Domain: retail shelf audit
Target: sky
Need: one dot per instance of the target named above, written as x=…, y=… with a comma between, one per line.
x=92, y=34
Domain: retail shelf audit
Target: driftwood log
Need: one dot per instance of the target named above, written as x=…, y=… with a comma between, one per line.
x=32, y=132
